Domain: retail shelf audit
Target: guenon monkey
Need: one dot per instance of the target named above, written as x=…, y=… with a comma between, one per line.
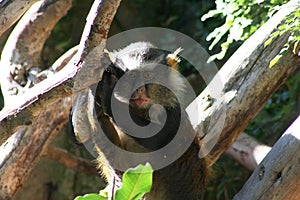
x=144, y=80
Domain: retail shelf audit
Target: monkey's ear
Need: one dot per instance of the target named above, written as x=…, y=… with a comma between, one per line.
x=173, y=58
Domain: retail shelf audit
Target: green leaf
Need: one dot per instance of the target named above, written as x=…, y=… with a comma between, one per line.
x=218, y=56
x=282, y=27
x=268, y=41
x=295, y=46
x=91, y=197
x=275, y=34
x=210, y=14
x=104, y=192
x=217, y=34
x=274, y=60
x=136, y=183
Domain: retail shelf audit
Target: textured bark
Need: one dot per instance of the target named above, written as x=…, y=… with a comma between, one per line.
x=29, y=146
x=23, y=49
x=51, y=180
x=248, y=84
x=40, y=112
x=11, y=11
x=56, y=88
x=278, y=175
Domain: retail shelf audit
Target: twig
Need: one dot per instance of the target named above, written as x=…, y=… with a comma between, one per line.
x=63, y=157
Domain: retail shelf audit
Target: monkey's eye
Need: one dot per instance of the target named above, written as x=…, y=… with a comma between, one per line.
x=148, y=75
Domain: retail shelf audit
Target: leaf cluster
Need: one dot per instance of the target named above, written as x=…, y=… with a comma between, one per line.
x=291, y=25
x=242, y=19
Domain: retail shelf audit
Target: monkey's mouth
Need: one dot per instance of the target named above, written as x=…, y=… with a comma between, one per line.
x=140, y=102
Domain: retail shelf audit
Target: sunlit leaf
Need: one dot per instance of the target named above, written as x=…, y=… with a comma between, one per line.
x=91, y=197
x=274, y=60
x=295, y=46
x=136, y=183
x=217, y=35
x=210, y=14
x=269, y=41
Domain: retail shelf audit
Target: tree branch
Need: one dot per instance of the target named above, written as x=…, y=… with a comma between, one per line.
x=63, y=157
x=248, y=84
x=11, y=11
x=50, y=91
x=277, y=176
x=42, y=110
x=23, y=49
x=26, y=147
x=247, y=151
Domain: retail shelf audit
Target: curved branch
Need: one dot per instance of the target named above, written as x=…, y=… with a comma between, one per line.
x=41, y=109
x=23, y=48
x=45, y=93
x=11, y=11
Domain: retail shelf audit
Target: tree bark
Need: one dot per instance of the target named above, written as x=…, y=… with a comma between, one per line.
x=31, y=142
x=23, y=49
x=40, y=121
x=51, y=90
x=249, y=81
x=248, y=84
x=278, y=175
x=11, y=11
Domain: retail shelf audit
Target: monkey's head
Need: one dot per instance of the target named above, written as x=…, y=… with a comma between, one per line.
x=150, y=77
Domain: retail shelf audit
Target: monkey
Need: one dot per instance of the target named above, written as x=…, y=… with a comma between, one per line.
x=145, y=80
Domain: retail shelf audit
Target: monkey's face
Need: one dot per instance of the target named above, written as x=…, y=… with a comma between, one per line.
x=149, y=77
x=149, y=85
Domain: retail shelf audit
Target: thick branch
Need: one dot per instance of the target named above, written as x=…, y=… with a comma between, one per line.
x=277, y=176
x=50, y=91
x=27, y=146
x=248, y=84
x=42, y=118
x=23, y=48
x=63, y=157
x=247, y=151
x=11, y=11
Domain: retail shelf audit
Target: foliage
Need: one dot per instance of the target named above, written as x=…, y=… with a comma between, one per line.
x=293, y=26
x=242, y=19
x=280, y=110
x=136, y=182
x=228, y=178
